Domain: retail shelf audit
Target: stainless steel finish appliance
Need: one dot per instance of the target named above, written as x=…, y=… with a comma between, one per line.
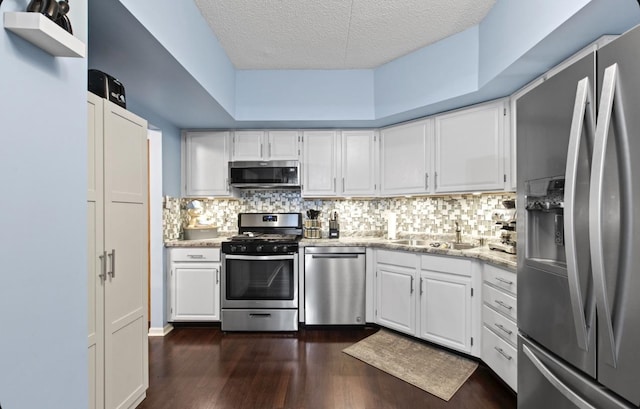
x=260, y=273
x=579, y=234
x=506, y=219
x=265, y=174
x=334, y=280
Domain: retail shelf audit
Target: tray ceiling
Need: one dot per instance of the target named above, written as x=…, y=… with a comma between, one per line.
x=333, y=34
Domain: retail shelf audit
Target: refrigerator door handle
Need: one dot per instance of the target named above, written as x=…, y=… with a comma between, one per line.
x=555, y=382
x=582, y=110
x=608, y=98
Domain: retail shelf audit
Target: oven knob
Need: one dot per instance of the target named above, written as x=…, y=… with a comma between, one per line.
x=275, y=249
x=259, y=248
x=285, y=249
x=243, y=248
x=232, y=248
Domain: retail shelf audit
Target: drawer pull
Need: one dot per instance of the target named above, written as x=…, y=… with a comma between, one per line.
x=508, y=331
x=504, y=354
x=503, y=305
x=198, y=256
x=503, y=281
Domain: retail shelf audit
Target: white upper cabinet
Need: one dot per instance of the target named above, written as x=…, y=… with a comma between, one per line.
x=265, y=145
x=283, y=145
x=341, y=164
x=205, y=164
x=406, y=158
x=320, y=155
x=470, y=149
x=359, y=176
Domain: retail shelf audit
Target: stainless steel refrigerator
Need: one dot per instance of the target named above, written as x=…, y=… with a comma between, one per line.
x=579, y=234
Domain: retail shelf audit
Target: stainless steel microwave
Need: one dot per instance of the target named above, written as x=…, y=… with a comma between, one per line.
x=265, y=174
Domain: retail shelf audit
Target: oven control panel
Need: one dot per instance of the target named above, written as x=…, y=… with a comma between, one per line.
x=258, y=248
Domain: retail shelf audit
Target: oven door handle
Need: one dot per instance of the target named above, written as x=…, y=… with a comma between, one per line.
x=257, y=258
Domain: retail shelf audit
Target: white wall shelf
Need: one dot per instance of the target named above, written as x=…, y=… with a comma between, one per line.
x=44, y=33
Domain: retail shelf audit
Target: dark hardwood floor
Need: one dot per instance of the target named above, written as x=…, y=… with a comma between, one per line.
x=205, y=368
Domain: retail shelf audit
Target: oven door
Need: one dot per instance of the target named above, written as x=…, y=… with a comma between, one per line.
x=259, y=281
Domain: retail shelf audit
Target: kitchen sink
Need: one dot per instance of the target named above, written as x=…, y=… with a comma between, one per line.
x=411, y=242
x=463, y=246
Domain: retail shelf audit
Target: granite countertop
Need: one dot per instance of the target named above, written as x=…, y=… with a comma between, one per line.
x=483, y=253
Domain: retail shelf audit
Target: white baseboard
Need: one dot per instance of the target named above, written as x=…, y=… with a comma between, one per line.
x=160, y=332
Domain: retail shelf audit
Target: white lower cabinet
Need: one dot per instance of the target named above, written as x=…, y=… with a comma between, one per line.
x=445, y=310
x=446, y=307
x=499, y=323
x=396, y=290
x=194, y=284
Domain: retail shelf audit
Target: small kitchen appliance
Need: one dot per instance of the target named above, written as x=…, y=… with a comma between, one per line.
x=334, y=226
x=260, y=273
x=105, y=86
x=506, y=219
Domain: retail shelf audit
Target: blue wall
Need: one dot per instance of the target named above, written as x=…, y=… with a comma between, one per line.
x=292, y=95
x=43, y=173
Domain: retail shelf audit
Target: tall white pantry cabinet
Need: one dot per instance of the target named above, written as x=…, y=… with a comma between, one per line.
x=117, y=256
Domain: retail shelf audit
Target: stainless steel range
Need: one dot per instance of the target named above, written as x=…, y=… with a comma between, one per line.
x=260, y=273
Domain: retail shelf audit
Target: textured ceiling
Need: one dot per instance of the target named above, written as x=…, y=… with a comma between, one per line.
x=333, y=34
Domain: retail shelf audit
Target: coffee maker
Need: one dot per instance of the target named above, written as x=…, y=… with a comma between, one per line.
x=506, y=219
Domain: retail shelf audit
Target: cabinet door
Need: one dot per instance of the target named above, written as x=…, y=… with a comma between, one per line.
x=445, y=310
x=396, y=298
x=248, y=145
x=469, y=149
x=320, y=151
x=405, y=160
x=126, y=243
x=206, y=164
x=95, y=246
x=196, y=292
x=282, y=145
x=359, y=176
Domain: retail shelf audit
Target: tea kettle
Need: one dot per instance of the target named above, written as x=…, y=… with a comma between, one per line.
x=55, y=10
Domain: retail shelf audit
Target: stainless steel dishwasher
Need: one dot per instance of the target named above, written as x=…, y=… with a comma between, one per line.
x=334, y=281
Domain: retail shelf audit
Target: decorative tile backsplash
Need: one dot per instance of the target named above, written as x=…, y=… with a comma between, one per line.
x=415, y=215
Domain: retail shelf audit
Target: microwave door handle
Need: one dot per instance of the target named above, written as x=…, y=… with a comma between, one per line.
x=608, y=98
x=582, y=110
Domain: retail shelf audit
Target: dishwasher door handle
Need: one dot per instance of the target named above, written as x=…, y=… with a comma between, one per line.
x=335, y=255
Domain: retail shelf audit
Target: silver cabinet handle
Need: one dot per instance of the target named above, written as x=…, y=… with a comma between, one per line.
x=103, y=266
x=334, y=184
x=411, y=285
x=502, y=304
x=502, y=280
x=426, y=181
x=435, y=180
x=196, y=256
x=557, y=383
x=217, y=276
x=343, y=184
x=507, y=331
x=261, y=151
x=421, y=285
x=504, y=354
x=112, y=258
x=582, y=110
x=269, y=149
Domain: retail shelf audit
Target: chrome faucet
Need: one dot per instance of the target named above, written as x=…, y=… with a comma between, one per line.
x=458, y=232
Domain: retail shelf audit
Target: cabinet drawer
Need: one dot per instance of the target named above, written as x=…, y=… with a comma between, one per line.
x=500, y=278
x=500, y=301
x=501, y=357
x=397, y=258
x=452, y=265
x=194, y=254
x=501, y=325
